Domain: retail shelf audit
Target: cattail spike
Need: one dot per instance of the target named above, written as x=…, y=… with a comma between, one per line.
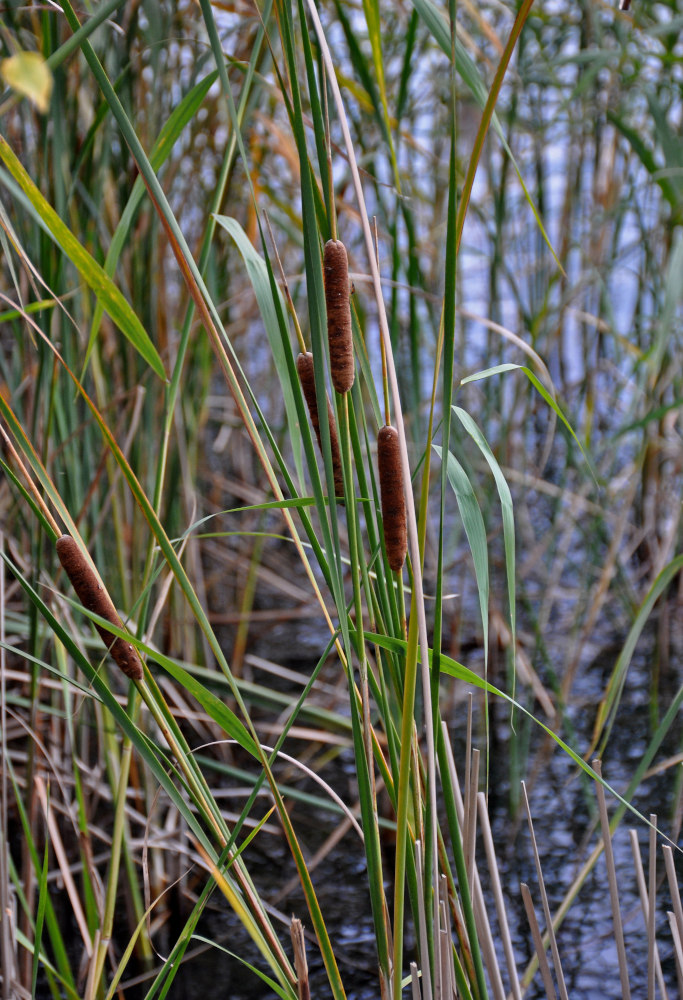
x=393, y=500
x=304, y=366
x=337, y=301
x=94, y=597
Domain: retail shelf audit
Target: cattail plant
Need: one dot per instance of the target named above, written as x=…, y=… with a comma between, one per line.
x=304, y=366
x=392, y=497
x=337, y=301
x=94, y=597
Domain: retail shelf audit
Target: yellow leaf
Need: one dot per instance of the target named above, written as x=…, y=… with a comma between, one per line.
x=29, y=75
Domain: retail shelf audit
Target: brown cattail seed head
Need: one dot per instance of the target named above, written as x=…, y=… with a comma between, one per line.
x=304, y=366
x=392, y=496
x=337, y=301
x=94, y=597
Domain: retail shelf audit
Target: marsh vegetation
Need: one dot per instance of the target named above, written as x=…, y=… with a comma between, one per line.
x=329, y=667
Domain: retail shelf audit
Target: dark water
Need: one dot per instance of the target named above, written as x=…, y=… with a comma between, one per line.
x=564, y=813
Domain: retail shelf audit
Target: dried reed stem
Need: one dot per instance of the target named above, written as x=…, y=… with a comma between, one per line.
x=550, y=930
x=446, y=946
x=612, y=879
x=538, y=943
x=93, y=596
x=422, y=923
x=483, y=926
x=673, y=889
x=485, y=938
x=415, y=983
x=650, y=912
x=496, y=887
x=678, y=950
x=471, y=815
x=645, y=906
x=296, y=931
x=57, y=845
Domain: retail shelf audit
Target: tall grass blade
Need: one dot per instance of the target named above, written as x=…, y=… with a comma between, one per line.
x=260, y=281
x=473, y=523
x=507, y=517
x=92, y=273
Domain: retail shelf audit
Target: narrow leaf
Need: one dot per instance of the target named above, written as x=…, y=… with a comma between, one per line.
x=260, y=282
x=114, y=303
x=473, y=523
x=541, y=389
x=506, y=509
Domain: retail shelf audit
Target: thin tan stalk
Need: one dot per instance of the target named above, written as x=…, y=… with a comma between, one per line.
x=485, y=827
x=447, y=976
x=485, y=938
x=612, y=879
x=678, y=950
x=550, y=930
x=415, y=984
x=29, y=481
x=422, y=924
x=483, y=926
x=300, y=964
x=645, y=904
x=673, y=889
x=91, y=982
x=471, y=815
x=538, y=943
x=285, y=287
x=64, y=867
x=650, y=912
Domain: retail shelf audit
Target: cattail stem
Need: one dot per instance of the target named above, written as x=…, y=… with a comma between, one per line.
x=285, y=287
x=392, y=497
x=382, y=348
x=304, y=366
x=94, y=597
x=331, y=208
x=337, y=301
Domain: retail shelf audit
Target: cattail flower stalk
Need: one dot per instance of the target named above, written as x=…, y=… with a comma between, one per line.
x=392, y=497
x=338, y=304
x=94, y=597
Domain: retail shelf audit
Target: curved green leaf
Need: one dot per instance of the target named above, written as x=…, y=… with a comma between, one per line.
x=541, y=389
x=113, y=302
x=473, y=523
x=260, y=282
x=506, y=509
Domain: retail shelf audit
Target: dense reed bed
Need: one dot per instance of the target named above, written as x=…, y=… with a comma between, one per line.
x=339, y=392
